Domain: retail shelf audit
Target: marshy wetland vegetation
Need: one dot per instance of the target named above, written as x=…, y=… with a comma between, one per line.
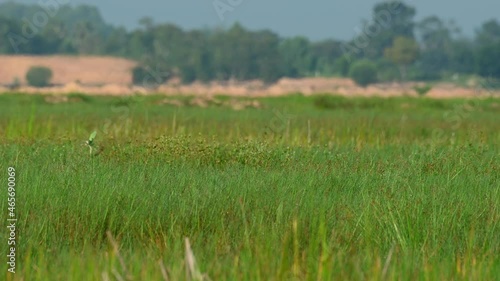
x=277, y=188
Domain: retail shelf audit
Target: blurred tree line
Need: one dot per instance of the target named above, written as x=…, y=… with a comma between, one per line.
x=392, y=41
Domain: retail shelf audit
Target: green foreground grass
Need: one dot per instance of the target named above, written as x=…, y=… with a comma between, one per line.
x=305, y=188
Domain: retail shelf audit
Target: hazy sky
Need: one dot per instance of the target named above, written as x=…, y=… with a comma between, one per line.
x=316, y=19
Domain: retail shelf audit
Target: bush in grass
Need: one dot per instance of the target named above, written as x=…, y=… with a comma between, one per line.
x=139, y=75
x=16, y=84
x=339, y=102
x=363, y=73
x=422, y=90
x=147, y=78
x=80, y=97
x=332, y=102
x=39, y=76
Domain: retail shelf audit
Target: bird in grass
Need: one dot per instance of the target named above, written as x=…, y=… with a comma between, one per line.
x=90, y=141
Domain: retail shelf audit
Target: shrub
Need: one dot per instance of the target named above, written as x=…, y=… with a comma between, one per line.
x=80, y=97
x=188, y=74
x=363, y=73
x=139, y=75
x=487, y=61
x=16, y=84
x=422, y=90
x=340, y=102
x=149, y=79
x=39, y=76
x=332, y=102
x=341, y=66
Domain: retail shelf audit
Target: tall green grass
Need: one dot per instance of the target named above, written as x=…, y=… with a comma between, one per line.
x=360, y=189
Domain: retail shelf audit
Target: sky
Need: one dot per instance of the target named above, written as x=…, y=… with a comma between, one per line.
x=315, y=19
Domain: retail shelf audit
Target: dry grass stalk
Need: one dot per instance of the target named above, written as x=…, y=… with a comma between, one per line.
x=116, y=250
x=192, y=271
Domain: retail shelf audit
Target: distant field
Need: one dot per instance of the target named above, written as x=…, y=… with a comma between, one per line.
x=99, y=75
x=93, y=70
x=283, y=188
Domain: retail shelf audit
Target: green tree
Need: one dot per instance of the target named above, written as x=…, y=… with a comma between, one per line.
x=297, y=57
x=140, y=76
x=243, y=55
x=391, y=19
x=39, y=76
x=462, y=58
x=232, y=53
x=363, y=72
x=489, y=33
x=198, y=62
x=86, y=39
x=341, y=66
x=269, y=65
x=488, y=59
x=403, y=52
x=326, y=55
x=438, y=46
x=7, y=32
x=116, y=43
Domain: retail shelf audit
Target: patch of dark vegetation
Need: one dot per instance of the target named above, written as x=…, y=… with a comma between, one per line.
x=330, y=102
x=81, y=97
x=205, y=152
x=204, y=102
x=422, y=90
x=339, y=102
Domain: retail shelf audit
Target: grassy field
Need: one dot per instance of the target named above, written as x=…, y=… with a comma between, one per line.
x=302, y=188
